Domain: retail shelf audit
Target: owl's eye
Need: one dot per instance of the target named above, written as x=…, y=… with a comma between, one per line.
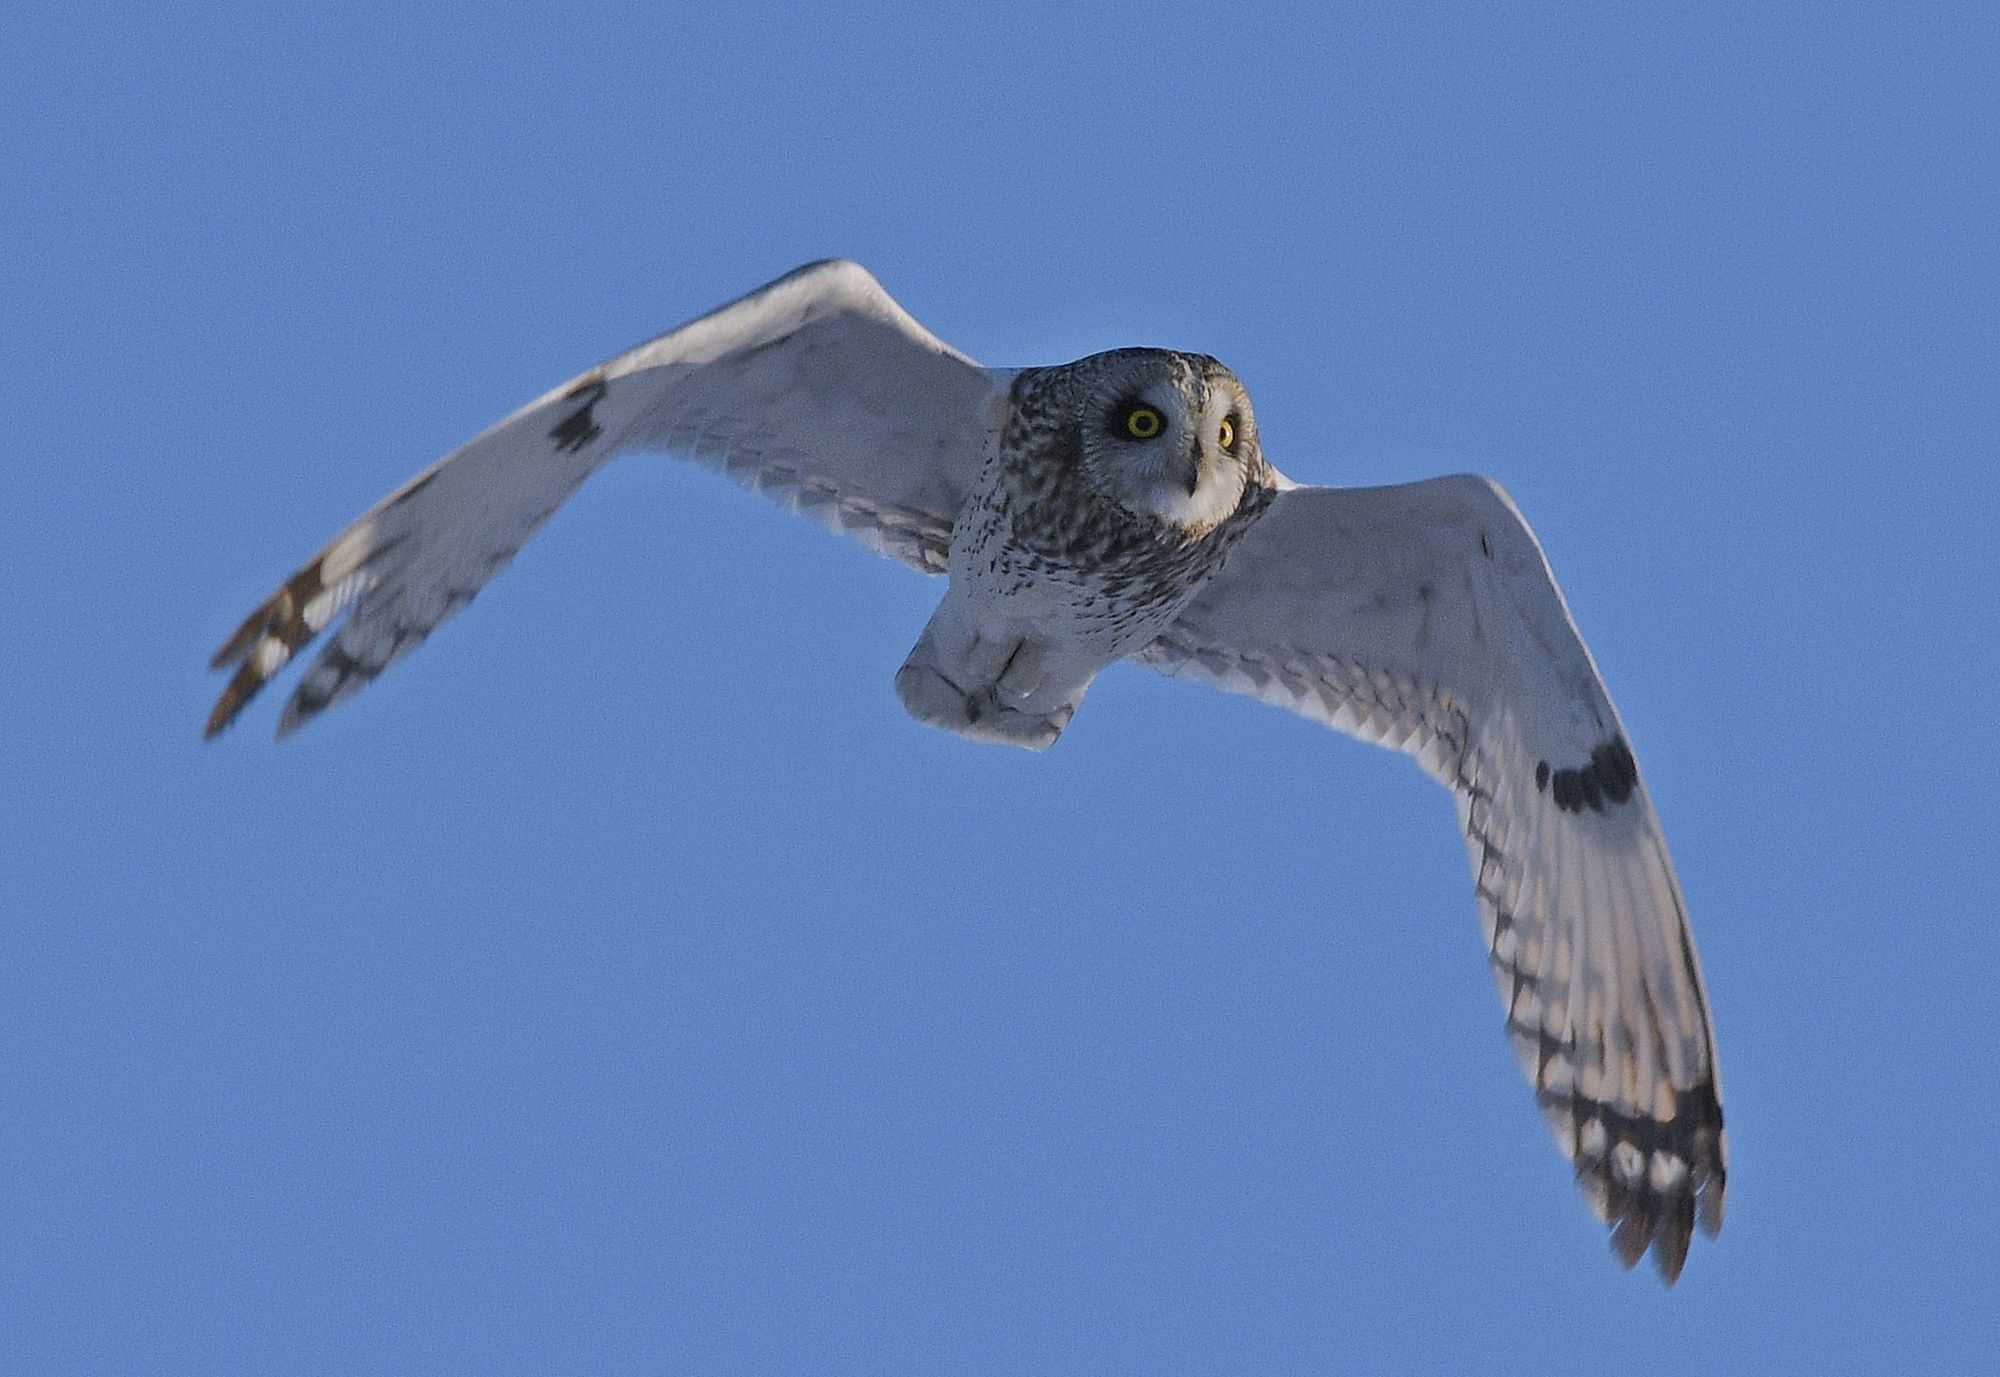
x=1227, y=435
x=1143, y=423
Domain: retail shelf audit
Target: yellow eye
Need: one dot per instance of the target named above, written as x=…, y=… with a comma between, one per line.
x=1227, y=435
x=1143, y=423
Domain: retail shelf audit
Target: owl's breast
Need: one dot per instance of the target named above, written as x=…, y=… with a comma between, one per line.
x=1078, y=569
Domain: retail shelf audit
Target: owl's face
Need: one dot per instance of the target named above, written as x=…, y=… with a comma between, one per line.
x=1166, y=434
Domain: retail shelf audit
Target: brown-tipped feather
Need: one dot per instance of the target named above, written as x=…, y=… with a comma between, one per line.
x=281, y=618
x=1630, y=1238
x=243, y=686
x=1672, y=1237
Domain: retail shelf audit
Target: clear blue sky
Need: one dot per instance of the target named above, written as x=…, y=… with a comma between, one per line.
x=626, y=985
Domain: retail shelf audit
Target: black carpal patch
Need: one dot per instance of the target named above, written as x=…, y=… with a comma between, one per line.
x=580, y=427
x=1607, y=777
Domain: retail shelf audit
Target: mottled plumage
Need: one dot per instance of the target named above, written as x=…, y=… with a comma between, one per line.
x=1121, y=507
x=1077, y=545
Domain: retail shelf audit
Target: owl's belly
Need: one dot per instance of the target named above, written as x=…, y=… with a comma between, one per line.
x=1018, y=638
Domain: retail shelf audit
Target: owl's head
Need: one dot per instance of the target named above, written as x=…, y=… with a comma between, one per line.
x=1166, y=434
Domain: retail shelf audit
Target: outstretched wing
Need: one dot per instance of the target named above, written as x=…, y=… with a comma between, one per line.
x=1424, y=618
x=817, y=390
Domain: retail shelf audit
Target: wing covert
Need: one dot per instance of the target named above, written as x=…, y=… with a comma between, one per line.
x=1424, y=618
x=816, y=390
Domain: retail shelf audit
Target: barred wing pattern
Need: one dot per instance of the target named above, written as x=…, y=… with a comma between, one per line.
x=1424, y=618
x=817, y=390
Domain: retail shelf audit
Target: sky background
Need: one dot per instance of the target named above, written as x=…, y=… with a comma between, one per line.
x=626, y=985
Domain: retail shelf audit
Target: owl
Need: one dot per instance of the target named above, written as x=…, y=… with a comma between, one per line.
x=1121, y=507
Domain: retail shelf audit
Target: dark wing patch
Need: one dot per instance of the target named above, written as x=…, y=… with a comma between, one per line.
x=1607, y=777
x=580, y=427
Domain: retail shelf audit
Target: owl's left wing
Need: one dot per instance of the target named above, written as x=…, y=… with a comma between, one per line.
x=1424, y=618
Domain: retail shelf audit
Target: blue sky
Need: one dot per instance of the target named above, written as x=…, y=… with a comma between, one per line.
x=625, y=984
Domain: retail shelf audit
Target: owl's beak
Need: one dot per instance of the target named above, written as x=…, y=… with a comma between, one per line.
x=1191, y=479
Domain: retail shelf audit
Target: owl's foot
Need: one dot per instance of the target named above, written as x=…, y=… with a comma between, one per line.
x=980, y=715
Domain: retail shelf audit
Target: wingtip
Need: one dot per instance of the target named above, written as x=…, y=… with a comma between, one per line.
x=265, y=642
x=1672, y=1237
x=1666, y=1238
x=242, y=687
x=1631, y=1236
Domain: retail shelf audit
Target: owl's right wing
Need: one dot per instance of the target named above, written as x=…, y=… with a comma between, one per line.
x=817, y=390
x=1424, y=618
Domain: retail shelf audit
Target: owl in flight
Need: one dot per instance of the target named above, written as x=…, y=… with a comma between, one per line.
x=1121, y=507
